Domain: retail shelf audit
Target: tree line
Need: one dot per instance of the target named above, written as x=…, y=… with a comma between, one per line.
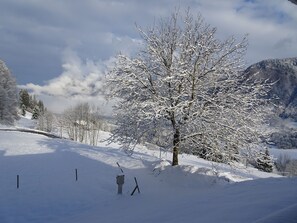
x=81, y=122
x=28, y=102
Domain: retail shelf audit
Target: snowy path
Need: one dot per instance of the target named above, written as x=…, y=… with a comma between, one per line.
x=30, y=131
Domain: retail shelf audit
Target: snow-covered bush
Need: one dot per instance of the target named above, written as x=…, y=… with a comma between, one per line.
x=218, y=156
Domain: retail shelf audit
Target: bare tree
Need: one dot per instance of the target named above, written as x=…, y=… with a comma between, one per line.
x=185, y=91
x=94, y=126
x=82, y=123
x=45, y=121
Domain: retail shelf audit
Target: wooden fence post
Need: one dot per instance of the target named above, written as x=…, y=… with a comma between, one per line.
x=18, y=181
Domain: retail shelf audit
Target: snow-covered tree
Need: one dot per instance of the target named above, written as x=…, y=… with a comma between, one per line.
x=36, y=112
x=24, y=98
x=264, y=161
x=82, y=123
x=45, y=121
x=8, y=96
x=30, y=103
x=185, y=91
x=41, y=107
x=23, y=109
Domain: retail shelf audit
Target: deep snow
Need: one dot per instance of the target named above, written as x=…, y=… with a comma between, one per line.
x=191, y=192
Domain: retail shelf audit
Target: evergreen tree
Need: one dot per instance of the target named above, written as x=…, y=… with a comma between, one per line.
x=24, y=98
x=23, y=110
x=35, y=113
x=8, y=96
x=41, y=107
x=30, y=102
x=33, y=102
x=264, y=161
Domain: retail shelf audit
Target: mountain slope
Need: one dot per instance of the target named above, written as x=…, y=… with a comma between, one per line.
x=284, y=73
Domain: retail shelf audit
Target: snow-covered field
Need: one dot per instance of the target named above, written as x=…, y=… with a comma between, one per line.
x=192, y=192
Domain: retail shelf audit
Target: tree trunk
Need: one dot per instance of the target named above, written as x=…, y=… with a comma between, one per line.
x=176, y=141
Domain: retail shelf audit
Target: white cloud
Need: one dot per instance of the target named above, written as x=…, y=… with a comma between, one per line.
x=271, y=25
x=98, y=30
x=80, y=81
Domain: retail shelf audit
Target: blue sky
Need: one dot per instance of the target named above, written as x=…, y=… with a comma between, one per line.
x=57, y=48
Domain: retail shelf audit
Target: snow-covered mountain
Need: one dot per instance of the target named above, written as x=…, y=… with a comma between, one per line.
x=284, y=73
x=195, y=191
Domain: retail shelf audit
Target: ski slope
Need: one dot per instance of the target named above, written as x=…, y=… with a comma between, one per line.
x=192, y=192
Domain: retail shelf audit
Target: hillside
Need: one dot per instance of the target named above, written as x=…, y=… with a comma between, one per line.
x=284, y=73
x=195, y=191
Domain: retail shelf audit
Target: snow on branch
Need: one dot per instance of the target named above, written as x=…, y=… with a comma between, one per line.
x=185, y=91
